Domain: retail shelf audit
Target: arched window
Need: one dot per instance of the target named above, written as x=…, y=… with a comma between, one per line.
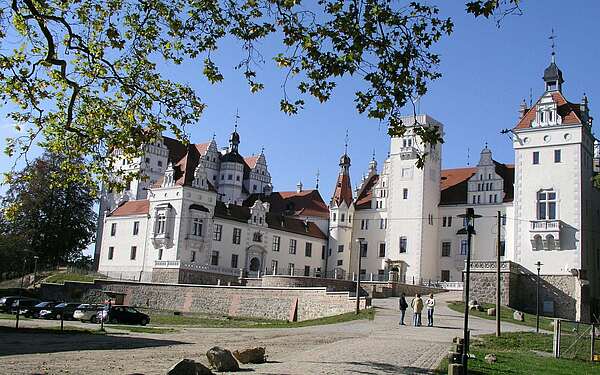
x=551, y=245
x=538, y=243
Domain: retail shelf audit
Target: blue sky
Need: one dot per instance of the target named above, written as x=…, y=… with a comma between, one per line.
x=486, y=73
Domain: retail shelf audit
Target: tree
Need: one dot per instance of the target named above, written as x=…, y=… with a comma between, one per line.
x=55, y=221
x=86, y=81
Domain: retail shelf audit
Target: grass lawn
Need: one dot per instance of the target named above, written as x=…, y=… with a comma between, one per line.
x=506, y=315
x=521, y=353
x=164, y=319
x=61, y=277
x=12, y=317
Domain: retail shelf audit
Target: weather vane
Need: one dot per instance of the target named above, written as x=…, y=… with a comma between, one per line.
x=346, y=143
x=552, y=37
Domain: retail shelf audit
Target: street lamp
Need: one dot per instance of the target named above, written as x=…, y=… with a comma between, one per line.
x=20, y=294
x=470, y=217
x=35, y=260
x=360, y=243
x=537, y=298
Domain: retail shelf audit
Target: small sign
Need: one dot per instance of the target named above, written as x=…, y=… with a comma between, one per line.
x=548, y=307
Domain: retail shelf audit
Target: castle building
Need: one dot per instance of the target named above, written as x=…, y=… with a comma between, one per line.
x=203, y=211
x=405, y=218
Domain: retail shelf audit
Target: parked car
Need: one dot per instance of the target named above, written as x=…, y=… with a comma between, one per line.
x=34, y=311
x=123, y=314
x=64, y=308
x=6, y=303
x=87, y=312
x=22, y=304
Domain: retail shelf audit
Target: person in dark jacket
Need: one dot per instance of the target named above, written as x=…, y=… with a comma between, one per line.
x=402, y=305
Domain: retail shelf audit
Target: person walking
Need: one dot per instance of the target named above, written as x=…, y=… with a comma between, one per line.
x=402, y=305
x=430, y=305
x=417, y=306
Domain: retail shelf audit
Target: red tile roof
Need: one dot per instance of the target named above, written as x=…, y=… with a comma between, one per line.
x=276, y=221
x=569, y=112
x=363, y=201
x=130, y=208
x=251, y=161
x=343, y=190
x=454, y=183
x=304, y=203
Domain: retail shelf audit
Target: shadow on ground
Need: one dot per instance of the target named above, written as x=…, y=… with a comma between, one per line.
x=369, y=367
x=29, y=341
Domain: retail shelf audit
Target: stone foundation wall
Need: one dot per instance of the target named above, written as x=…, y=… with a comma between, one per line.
x=183, y=276
x=335, y=285
x=518, y=290
x=270, y=303
x=395, y=289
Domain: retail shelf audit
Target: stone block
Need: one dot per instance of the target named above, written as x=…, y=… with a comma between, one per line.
x=491, y=312
x=455, y=369
x=253, y=355
x=458, y=340
x=189, y=367
x=457, y=348
x=454, y=357
x=221, y=359
x=519, y=315
x=491, y=358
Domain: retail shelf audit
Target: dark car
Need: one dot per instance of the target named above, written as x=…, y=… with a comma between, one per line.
x=34, y=311
x=6, y=303
x=23, y=303
x=123, y=314
x=65, y=308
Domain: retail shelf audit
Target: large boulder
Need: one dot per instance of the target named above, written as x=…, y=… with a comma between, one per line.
x=221, y=359
x=189, y=367
x=519, y=315
x=253, y=355
x=491, y=312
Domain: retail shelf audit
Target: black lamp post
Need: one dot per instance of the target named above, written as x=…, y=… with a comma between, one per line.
x=537, y=298
x=470, y=216
x=35, y=260
x=360, y=243
x=20, y=294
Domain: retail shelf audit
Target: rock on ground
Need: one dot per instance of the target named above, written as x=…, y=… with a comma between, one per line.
x=491, y=358
x=221, y=359
x=518, y=315
x=491, y=312
x=189, y=367
x=253, y=355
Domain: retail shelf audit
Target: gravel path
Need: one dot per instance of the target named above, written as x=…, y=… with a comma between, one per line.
x=361, y=347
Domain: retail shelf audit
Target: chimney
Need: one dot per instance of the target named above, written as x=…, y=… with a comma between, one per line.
x=583, y=109
x=299, y=187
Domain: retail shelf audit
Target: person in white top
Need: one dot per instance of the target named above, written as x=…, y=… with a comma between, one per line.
x=430, y=305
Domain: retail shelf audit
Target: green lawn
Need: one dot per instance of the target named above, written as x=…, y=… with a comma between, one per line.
x=163, y=319
x=11, y=317
x=506, y=315
x=521, y=353
x=61, y=277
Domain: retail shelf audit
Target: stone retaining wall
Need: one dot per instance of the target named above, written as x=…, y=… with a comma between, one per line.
x=240, y=301
x=184, y=276
x=518, y=290
x=336, y=285
x=379, y=289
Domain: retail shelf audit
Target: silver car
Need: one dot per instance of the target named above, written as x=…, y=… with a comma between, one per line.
x=87, y=312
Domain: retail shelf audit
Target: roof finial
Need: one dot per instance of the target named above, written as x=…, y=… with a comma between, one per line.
x=262, y=150
x=468, y=155
x=373, y=158
x=346, y=143
x=552, y=37
x=530, y=97
x=237, y=116
x=214, y=135
x=486, y=144
x=317, y=185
